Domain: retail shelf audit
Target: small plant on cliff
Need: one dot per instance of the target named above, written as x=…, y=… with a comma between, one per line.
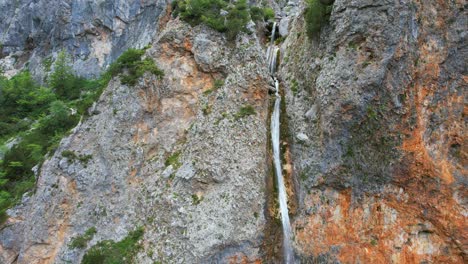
x=72, y=157
x=218, y=83
x=131, y=67
x=82, y=241
x=317, y=14
x=196, y=200
x=111, y=252
x=173, y=160
x=245, y=111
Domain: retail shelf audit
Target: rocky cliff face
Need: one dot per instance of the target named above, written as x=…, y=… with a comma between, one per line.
x=95, y=33
x=375, y=106
x=175, y=156
x=373, y=136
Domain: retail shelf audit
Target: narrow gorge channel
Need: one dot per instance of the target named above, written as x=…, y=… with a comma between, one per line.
x=272, y=56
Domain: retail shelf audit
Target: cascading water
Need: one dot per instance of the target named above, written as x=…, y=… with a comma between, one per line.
x=272, y=54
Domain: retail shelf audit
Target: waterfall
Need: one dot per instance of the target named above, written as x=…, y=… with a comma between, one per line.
x=272, y=54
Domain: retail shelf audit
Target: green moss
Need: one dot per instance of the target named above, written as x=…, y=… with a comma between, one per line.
x=370, y=152
x=111, y=252
x=173, y=160
x=352, y=45
x=245, y=111
x=294, y=87
x=82, y=241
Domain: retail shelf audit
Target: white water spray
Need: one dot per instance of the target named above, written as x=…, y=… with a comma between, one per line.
x=272, y=54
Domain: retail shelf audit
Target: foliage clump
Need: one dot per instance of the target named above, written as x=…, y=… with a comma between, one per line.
x=72, y=157
x=111, y=252
x=218, y=83
x=82, y=241
x=244, y=111
x=224, y=16
x=173, y=160
x=316, y=15
x=132, y=67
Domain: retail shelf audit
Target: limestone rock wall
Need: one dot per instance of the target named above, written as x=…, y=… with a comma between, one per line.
x=94, y=33
x=205, y=205
x=375, y=108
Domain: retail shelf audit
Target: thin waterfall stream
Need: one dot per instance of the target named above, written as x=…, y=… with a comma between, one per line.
x=272, y=54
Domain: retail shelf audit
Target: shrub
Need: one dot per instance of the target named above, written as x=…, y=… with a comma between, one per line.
x=268, y=13
x=62, y=80
x=316, y=15
x=130, y=62
x=111, y=252
x=220, y=15
x=258, y=13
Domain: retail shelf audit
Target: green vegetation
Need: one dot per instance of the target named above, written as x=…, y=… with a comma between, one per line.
x=218, y=83
x=131, y=67
x=82, y=241
x=37, y=117
x=258, y=13
x=72, y=157
x=232, y=20
x=316, y=15
x=47, y=63
x=196, y=199
x=245, y=111
x=294, y=87
x=206, y=108
x=173, y=160
x=111, y=252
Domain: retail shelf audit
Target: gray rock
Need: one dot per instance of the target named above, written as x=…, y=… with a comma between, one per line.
x=302, y=137
x=167, y=172
x=94, y=33
x=283, y=26
x=312, y=113
x=186, y=172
